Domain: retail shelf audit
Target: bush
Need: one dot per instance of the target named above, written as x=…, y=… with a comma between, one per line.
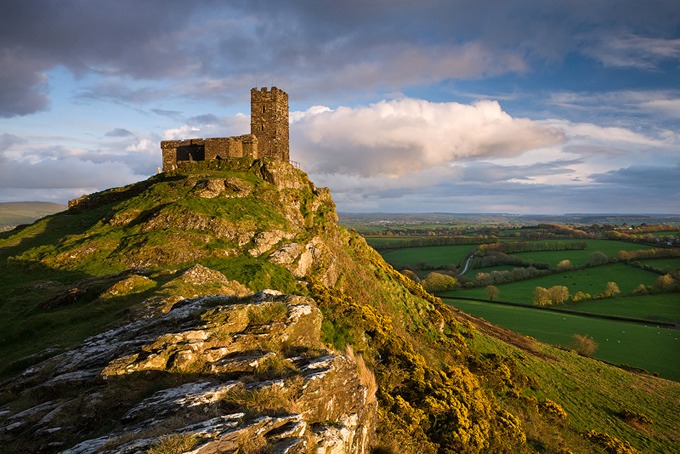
x=492, y=292
x=598, y=258
x=565, y=265
x=580, y=296
x=558, y=294
x=411, y=275
x=610, y=444
x=541, y=297
x=611, y=290
x=584, y=344
x=634, y=417
x=437, y=282
x=552, y=410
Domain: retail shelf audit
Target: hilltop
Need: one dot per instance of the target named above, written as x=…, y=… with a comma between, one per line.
x=221, y=308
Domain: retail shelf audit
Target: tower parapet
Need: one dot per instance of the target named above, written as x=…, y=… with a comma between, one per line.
x=268, y=138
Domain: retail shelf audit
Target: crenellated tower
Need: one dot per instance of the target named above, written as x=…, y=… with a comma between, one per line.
x=269, y=122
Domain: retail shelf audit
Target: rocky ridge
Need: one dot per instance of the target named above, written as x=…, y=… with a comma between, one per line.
x=247, y=373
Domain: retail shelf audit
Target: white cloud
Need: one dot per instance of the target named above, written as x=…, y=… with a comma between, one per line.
x=634, y=51
x=398, y=137
x=596, y=134
x=668, y=107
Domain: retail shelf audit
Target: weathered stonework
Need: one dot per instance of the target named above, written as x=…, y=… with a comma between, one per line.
x=269, y=122
x=269, y=137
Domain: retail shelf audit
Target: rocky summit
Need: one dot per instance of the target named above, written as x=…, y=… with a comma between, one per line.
x=220, y=308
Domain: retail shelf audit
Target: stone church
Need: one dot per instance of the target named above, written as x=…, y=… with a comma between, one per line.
x=268, y=138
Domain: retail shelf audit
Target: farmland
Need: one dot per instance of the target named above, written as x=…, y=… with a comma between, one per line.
x=636, y=326
x=644, y=346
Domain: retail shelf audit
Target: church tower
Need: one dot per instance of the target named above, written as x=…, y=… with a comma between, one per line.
x=269, y=122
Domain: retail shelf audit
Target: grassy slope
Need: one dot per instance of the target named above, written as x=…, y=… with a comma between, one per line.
x=619, y=342
x=436, y=386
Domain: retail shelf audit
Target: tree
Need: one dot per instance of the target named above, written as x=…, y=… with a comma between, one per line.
x=611, y=290
x=558, y=294
x=564, y=265
x=492, y=292
x=411, y=275
x=437, y=282
x=483, y=278
x=580, y=296
x=665, y=282
x=584, y=344
x=598, y=258
x=640, y=290
x=541, y=297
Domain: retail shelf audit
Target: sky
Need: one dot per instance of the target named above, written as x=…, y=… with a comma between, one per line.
x=460, y=106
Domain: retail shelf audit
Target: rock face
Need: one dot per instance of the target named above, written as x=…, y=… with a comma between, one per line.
x=214, y=374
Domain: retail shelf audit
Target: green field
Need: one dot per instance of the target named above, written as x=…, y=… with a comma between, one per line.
x=379, y=242
x=661, y=307
x=588, y=280
x=653, y=349
x=432, y=255
x=666, y=265
x=580, y=257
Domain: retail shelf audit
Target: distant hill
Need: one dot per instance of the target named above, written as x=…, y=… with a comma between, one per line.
x=16, y=213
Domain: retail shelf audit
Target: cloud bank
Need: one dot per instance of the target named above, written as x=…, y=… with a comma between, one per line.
x=394, y=138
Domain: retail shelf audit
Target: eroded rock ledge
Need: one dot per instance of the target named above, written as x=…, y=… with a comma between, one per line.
x=215, y=374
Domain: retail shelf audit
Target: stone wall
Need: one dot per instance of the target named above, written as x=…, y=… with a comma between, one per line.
x=192, y=150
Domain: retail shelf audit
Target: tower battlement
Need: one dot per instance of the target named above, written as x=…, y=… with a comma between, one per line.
x=268, y=138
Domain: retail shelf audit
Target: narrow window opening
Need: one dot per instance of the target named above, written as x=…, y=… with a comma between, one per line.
x=263, y=108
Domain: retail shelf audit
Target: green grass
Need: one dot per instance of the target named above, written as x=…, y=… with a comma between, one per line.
x=432, y=255
x=385, y=242
x=619, y=342
x=663, y=307
x=666, y=265
x=580, y=257
x=583, y=387
x=588, y=280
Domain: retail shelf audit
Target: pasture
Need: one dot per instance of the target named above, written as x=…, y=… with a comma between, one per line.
x=633, y=344
x=589, y=280
x=670, y=265
x=431, y=255
x=580, y=257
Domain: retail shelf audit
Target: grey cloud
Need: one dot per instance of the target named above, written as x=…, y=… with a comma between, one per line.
x=312, y=48
x=119, y=132
x=9, y=140
x=63, y=174
x=633, y=51
x=659, y=178
x=22, y=85
x=494, y=173
x=173, y=114
x=204, y=119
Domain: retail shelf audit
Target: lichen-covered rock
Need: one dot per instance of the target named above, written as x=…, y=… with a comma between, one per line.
x=235, y=374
